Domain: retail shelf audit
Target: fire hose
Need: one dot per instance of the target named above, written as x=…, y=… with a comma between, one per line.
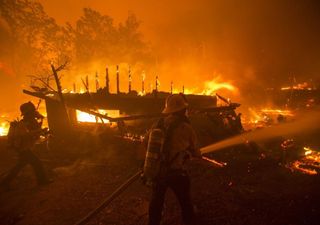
x=109, y=199
x=121, y=189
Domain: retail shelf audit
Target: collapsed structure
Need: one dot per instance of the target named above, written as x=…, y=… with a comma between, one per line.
x=64, y=110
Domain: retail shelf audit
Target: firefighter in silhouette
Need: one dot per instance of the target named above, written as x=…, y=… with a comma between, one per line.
x=165, y=165
x=22, y=137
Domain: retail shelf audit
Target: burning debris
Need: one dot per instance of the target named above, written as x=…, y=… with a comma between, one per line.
x=257, y=118
x=302, y=86
x=105, y=108
x=308, y=164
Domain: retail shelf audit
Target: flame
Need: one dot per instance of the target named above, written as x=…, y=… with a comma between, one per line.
x=4, y=125
x=302, y=86
x=88, y=118
x=277, y=112
x=262, y=115
x=210, y=88
x=255, y=117
x=4, y=128
x=140, y=93
x=308, y=151
x=214, y=85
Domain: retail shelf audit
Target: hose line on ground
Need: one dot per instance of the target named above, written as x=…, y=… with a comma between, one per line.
x=109, y=199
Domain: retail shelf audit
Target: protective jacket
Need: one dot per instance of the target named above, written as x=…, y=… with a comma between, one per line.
x=181, y=143
x=23, y=134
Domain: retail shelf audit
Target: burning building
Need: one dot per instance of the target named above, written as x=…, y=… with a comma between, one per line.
x=66, y=111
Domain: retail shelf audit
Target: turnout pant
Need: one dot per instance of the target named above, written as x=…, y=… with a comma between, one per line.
x=179, y=183
x=24, y=158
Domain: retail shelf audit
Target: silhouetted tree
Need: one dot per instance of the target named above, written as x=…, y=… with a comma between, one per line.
x=37, y=37
x=132, y=48
x=96, y=37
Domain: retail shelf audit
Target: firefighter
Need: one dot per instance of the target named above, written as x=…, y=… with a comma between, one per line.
x=179, y=146
x=22, y=137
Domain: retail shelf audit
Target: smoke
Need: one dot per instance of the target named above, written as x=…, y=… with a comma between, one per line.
x=253, y=44
x=304, y=124
x=257, y=44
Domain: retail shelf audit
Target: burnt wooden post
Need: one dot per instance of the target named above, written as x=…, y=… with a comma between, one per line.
x=97, y=82
x=87, y=84
x=118, y=88
x=107, y=81
x=143, y=78
x=130, y=79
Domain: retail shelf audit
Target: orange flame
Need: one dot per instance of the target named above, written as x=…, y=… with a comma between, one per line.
x=260, y=115
x=4, y=128
x=88, y=118
x=277, y=112
x=214, y=85
x=302, y=86
x=210, y=87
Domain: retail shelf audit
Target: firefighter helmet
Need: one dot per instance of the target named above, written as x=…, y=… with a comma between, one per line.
x=27, y=108
x=175, y=103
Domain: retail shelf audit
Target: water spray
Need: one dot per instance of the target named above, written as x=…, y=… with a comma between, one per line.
x=307, y=123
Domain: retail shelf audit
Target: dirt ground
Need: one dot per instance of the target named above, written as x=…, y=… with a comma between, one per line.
x=249, y=190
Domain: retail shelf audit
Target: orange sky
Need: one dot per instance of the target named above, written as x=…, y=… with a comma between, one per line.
x=253, y=43
x=151, y=13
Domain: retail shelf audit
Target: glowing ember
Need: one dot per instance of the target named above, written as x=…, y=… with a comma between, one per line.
x=88, y=118
x=308, y=151
x=219, y=164
x=299, y=166
x=309, y=164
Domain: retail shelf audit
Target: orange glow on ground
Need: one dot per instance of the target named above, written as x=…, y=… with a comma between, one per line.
x=309, y=164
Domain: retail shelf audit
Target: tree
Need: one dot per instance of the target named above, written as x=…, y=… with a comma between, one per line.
x=37, y=37
x=97, y=38
x=131, y=46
